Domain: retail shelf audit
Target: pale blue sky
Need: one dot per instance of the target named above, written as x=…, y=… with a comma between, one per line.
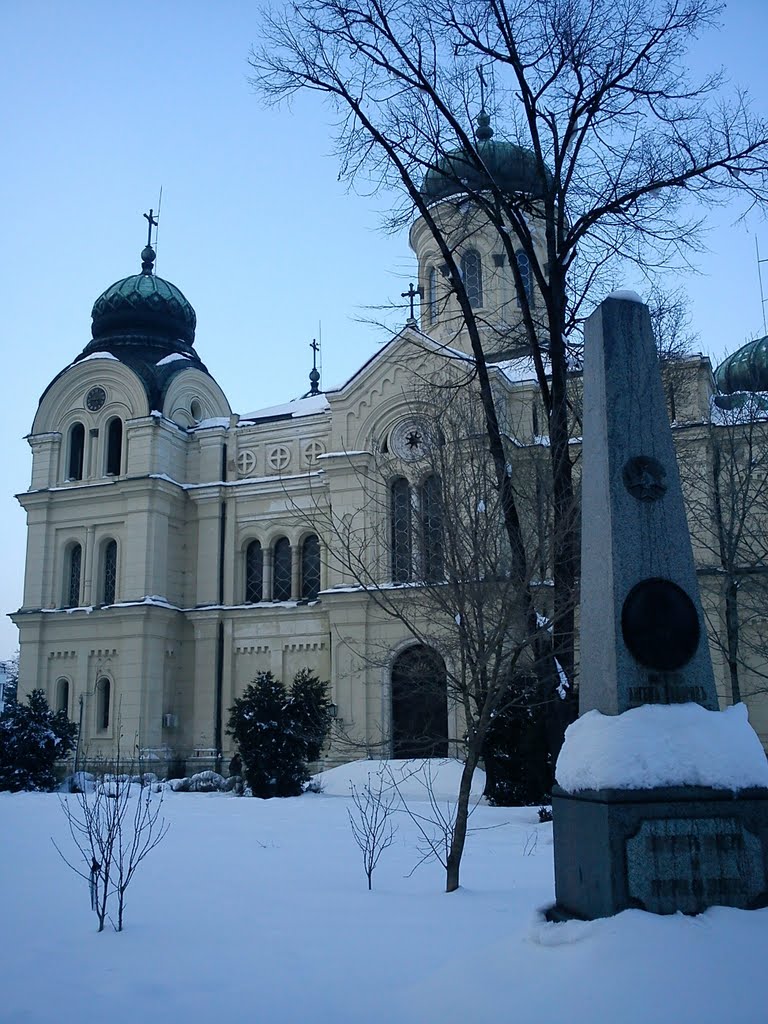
x=104, y=103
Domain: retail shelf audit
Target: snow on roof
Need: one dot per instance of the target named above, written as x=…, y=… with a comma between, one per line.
x=298, y=407
x=662, y=745
x=99, y=355
x=172, y=358
x=738, y=408
x=342, y=454
x=213, y=421
x=626, y=294
x=517, y=370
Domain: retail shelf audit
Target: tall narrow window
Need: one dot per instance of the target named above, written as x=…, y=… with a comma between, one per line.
x=72, y=581
x=400, y=513
x=114, y=447
x=76, y=451
x=62, y=695
x=524, y=266
x=432, y=295
x=310, y=568
x=472, y=275
x=432, y=529
x=281, y=570
x=254, y=573
x=109, y=572
x=103, y=688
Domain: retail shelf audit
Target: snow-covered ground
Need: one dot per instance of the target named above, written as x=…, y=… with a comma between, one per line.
x=257, y=911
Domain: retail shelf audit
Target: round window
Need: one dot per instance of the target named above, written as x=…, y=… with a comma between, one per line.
x=196, y=410
x=95, y=398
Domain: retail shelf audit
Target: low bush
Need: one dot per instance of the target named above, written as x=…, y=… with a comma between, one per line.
x=32, y=739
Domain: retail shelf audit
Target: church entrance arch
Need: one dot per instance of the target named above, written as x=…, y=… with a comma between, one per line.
x=419, y=704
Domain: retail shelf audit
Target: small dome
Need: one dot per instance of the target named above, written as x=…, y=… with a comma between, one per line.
x=144, y=305
x=512, y=168
x=744, y=370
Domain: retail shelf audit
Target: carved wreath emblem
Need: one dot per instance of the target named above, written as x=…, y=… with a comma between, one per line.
x=645, y=478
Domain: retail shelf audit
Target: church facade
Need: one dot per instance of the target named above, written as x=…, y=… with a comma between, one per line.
x=176, y=548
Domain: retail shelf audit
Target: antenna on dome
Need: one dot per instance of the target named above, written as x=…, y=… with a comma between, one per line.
x=481, y=76
x=763, y=299
x=157, y=221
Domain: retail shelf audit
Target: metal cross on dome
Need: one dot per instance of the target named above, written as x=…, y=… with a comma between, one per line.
x=411, y=295
x=151, y=223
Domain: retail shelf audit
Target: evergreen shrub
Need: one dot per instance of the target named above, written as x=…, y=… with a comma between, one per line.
x=279, y=731
x=518, y=765
x=32, y=739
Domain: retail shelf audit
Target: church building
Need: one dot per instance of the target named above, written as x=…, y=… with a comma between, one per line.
x=175, y=547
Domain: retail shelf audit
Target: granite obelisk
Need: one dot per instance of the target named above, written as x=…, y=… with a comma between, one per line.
x=643, y=638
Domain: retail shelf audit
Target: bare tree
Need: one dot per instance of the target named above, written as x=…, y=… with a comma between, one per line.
x=427, y=546
x=371, y=822
x=725, y=473
x=114, y=823
x=618, y=144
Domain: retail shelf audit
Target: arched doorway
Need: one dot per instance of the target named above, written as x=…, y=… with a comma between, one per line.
x=419, y=704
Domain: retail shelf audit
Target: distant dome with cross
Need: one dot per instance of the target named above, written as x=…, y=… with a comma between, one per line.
x=511, y=168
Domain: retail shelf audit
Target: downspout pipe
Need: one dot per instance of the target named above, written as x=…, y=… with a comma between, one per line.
x=217, y=711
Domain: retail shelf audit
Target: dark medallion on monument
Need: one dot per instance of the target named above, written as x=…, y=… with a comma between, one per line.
x=660, y=625
x=644, y=478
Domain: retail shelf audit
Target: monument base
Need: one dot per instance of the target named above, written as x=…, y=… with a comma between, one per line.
x=661, y=850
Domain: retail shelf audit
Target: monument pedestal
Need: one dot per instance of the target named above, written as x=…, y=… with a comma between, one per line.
x=662, y=850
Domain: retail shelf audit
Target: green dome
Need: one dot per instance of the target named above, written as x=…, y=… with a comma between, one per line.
x=146, y=305
x=511, y=168
x=744, y=370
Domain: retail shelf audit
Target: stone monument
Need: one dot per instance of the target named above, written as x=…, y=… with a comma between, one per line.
x=665, y=848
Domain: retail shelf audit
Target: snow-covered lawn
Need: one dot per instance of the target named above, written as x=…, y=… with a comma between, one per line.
x=257, y=911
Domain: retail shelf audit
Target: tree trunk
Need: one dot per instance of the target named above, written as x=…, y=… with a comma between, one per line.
x=565, y=554
x=732, y=636
x=459, y=836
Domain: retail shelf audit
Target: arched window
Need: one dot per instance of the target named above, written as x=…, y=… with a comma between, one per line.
x=74, y=564
x=103, y=693
x=76, y=451
x=419, y=704
x=432, y=529
x=281, y=570
x=472, y=275
x=432, y=294
x=310, y=568
x=254, y=573
x=62, y=695
x=524, y=266
x=114, y=447
x=109, y=572
x=400, y=514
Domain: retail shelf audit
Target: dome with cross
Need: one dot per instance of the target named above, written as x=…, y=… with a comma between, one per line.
x=510, y=167
x=145, y=307
x=147, y=324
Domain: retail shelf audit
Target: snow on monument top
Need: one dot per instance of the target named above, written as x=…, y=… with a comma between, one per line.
x=657, y=745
